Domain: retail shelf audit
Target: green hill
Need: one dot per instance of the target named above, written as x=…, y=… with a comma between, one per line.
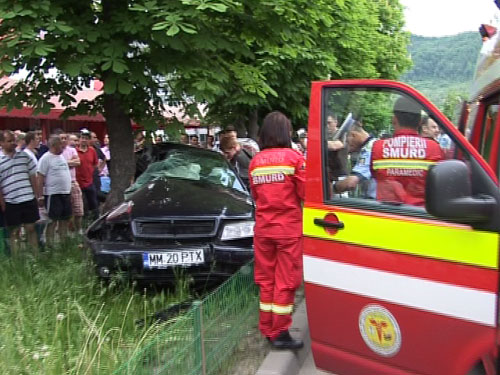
x=443, y=64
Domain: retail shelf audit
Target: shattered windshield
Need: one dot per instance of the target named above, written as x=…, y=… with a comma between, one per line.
x=186, y=164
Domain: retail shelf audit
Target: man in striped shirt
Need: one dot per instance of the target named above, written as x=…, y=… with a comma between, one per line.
x=17, y=191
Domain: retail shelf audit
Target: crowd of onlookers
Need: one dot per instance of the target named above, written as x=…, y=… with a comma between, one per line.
x=239, y=151
x=50, y=185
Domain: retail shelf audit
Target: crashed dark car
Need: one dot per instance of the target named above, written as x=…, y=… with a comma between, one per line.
x=188, y=210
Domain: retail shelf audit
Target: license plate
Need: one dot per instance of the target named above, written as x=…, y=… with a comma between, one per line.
x=173, y=258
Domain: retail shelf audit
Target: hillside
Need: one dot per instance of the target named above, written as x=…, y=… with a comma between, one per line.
x=443, y=64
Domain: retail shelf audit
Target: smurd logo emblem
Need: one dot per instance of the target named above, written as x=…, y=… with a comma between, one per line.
x=380, y=330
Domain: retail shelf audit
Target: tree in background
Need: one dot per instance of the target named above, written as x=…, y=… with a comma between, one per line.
x=320, y=40
x=241, y=58
x=453, y=104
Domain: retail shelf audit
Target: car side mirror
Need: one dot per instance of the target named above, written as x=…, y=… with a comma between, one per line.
x=448, y=194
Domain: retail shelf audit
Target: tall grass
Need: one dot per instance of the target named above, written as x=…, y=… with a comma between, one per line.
x=57, y=318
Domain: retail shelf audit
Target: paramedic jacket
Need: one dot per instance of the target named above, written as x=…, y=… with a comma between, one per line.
x=399, y=165
x=277, y=181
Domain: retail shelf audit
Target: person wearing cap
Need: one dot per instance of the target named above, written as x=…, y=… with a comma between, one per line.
x=399, y=164
x=85, y=173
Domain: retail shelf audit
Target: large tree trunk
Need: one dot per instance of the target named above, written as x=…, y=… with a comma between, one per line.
x=121, y=146
x=253, y=125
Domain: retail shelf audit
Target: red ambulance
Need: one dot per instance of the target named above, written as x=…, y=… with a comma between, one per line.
x=393, y=288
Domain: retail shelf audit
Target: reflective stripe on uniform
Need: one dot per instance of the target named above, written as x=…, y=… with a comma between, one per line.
x=282, y=309
x=437, y=297
x=456, y=243
x=270, y=169
x=267, y=307
x=402, y=163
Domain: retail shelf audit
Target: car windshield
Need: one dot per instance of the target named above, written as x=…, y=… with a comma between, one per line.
x=191, y=165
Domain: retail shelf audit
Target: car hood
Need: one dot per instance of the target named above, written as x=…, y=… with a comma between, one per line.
x=182, y=197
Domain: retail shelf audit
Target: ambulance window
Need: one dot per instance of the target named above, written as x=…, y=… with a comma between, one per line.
x=471, y=118
x=488, y=131
x=377, y=147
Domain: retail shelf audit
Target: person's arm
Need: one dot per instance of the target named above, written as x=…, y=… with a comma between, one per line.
x=101, y=165
x=349, y=183
x=2, y=202
x=74, y=161
x=335, y=145
x=95, y=162
x=37, y=183
x=300, y=178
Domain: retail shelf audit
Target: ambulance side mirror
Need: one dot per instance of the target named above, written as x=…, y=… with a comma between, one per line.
x=448, y=194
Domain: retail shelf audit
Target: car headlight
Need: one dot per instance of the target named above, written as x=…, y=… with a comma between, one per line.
x=241, y=229
x=123, y=209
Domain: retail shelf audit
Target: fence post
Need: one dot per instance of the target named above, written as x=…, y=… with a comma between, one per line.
x=200, y=358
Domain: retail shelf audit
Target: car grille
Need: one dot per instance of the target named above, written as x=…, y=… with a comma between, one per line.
x=175, y=228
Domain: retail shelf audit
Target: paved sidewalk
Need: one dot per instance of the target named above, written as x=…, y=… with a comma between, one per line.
x=288, y=362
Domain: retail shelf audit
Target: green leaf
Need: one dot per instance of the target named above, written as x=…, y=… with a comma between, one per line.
x=188, y=28
x=41, y=50
x=119, y=66
x=124, y=87
x=110, y=85
x=7, y=66
x=13, y=42
x=107, y=65
x=161, y=25
x=221, y=8
x=173, y=30
x=26, y=12
x=73, y=69
x=92, y=36
x=64, y=28
x=9, y=15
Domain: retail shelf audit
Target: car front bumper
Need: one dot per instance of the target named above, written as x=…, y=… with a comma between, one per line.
x=220, y=261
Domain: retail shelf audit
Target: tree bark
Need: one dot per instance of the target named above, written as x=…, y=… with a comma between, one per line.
x=253, y=124
x=121, y=146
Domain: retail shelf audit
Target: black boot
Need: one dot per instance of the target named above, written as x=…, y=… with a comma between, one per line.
x=285, y=341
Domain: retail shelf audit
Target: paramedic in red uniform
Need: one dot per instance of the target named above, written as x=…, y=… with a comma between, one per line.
x=277, y=176
x=399, y=164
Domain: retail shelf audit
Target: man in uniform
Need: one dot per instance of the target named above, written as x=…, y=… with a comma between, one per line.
x=359, y=140
x=399, y=164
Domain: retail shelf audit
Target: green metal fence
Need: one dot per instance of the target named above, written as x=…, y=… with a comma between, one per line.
x=200, y=341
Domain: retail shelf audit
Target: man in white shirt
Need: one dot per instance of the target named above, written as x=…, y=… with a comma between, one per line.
x=55, y=179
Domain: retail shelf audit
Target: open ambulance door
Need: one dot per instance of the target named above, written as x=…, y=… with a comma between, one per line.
x=394, y=288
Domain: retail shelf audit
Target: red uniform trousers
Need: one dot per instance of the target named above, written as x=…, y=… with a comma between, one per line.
x=278, y=272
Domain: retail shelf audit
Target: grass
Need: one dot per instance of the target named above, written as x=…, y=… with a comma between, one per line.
x=57, y=318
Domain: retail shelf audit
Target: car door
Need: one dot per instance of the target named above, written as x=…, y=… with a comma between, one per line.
x=391, y=288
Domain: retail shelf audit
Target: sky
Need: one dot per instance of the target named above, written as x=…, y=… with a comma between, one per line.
x=448, y=17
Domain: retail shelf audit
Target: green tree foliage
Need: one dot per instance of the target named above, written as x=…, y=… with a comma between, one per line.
x=242, y=58
x=452, y=104
x=332, y=39
x=443, y=64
